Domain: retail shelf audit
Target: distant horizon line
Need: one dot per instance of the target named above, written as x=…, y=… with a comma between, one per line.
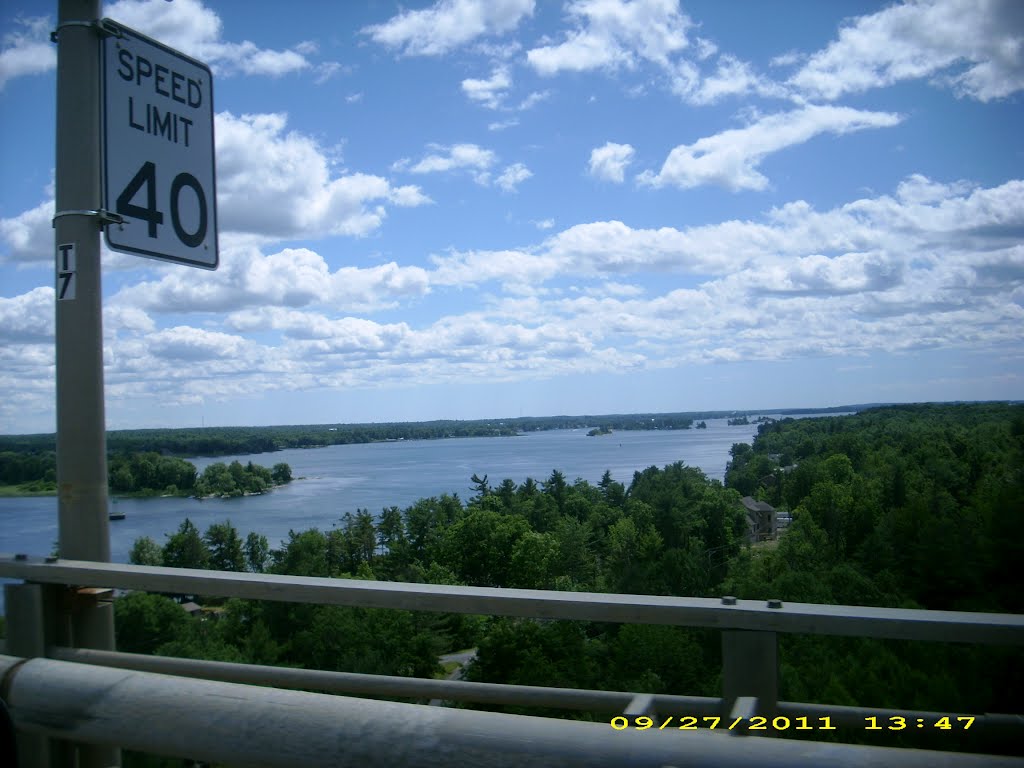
x=705, y=413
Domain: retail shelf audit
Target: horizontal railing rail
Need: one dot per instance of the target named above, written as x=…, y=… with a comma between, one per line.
x=988, y=726
x=724, y=614
x=248, y=725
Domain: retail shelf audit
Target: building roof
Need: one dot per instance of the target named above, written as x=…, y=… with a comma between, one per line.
x=753, y=505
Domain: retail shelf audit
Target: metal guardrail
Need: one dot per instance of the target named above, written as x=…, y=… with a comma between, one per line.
x=391, y=686
x=724, y=614
x=246, y=725
x=750, y=671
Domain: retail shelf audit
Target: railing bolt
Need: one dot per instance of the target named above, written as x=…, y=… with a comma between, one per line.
x=774, y=603
x=728, y=600
x=21, y=556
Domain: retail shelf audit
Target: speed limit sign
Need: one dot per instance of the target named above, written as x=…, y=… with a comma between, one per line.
x=158, y=155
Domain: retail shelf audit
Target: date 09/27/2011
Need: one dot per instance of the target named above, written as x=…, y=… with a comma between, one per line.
x=760, y=723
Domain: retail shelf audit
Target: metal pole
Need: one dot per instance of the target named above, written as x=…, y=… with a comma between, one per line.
x=81, y=422
x=81, y=427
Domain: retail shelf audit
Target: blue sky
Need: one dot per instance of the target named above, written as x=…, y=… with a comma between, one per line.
x=479, y=208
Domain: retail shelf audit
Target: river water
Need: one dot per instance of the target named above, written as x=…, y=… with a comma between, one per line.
x=338, y=479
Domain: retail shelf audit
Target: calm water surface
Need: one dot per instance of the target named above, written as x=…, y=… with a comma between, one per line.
x=343, y=478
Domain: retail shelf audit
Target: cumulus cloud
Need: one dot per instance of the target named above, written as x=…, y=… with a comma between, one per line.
x=615, y=34
x=28, y=317
x=514, y=175
x=730, y=159
x=731, y=77
x=609, y=162
x=187, y=345
x=491, y=91
x=191, y=27
x=877, y=236
x=29, y=235
x=933, y=264
x=186, y=25
x=457, y=156
x=27, y=50
x=448, y=24
x=279, y=183
x=292, y=277
x=977, y=48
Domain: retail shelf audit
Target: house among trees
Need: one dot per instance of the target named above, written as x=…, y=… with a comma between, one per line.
x=761, y=520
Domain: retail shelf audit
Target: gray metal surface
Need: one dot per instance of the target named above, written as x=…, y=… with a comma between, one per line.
x=805, y=618
x=252, y=726
x=611, y=702
x=81, y=424
x=388, y=686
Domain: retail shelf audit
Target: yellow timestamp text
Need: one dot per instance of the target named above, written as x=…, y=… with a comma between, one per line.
x=899, y=723
x=755, y=723
x=781, y=723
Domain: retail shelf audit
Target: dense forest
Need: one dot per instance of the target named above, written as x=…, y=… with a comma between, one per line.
x=910, y=506
x=18, y=451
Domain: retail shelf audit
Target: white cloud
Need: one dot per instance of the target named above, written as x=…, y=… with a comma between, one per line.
x=488, y=92
x=614, y=34
x=293, y=277
x=975, y=46
x=186, y=25
x=533, y=99
x=448, y=24
x=27, y=50
x=609, y=161
x=501, y=125
x=513, y=176
x=29, y=235
x=732, y=77
x=874, y=233
x=279, y=184
x=934, y=264
x=185, y=344
x=454, y=157
x=27, y=318
x=191, y=27
x=730, y=159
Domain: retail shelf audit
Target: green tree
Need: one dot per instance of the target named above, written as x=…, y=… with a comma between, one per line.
x=479, y=547
x=225, y=547
x=281, y=473
x=186, y=549
x=304, y=554
x=143, y=622
x=145, y=551
x=257, y=552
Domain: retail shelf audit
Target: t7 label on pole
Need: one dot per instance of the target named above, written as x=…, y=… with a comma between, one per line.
x=65, y=271
x=158, y=153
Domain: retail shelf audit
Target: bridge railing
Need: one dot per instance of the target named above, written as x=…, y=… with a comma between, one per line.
x=37, y=627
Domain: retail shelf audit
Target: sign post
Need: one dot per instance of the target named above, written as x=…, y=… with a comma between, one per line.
x=81, y=423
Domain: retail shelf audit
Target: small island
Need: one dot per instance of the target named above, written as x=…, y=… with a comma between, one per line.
x=602, y=430
x=144, y=474
x=739, y=421
x=701, y=425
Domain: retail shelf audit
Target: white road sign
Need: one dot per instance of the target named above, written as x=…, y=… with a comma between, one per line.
x=158, y=159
